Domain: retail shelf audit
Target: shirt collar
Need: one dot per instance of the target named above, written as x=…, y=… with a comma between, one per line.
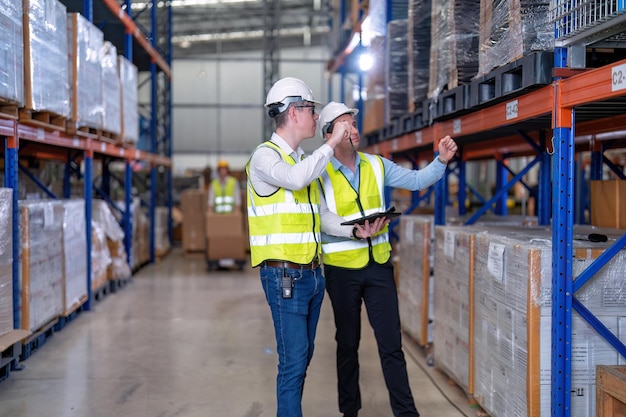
x=284, y=146
x=337, y=165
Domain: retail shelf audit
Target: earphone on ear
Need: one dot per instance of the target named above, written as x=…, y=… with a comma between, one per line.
x=273, y=111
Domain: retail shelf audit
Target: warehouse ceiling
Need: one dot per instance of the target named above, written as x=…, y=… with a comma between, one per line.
x=202, y=27
x=206, y=27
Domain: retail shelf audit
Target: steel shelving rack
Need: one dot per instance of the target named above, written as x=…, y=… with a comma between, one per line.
x=553, y=123
x=46, y=143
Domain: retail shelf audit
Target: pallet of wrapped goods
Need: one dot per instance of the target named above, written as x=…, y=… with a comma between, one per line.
x=396, y=70
x=414, y=276
x=74, y=256
x=85, y=45
x=129, y=101
x=46, y=73
x=453, y=304
x=419, y=51
x=100, y=261
x=41, y=278
x=161, y=232
x=510, y=29
x=6, y=260
x=101, y=214
x=454, y=44
x=513, y=289
x=111, y=93
x=12, y=64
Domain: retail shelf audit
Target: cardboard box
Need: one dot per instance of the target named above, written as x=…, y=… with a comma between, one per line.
x=224, y=225
x=608, y=203
x=226, y=247
x=193, y=206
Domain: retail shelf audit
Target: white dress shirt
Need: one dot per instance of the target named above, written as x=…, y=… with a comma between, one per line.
x=268, y=172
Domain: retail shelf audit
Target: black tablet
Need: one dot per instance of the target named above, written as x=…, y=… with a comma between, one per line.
x=390, y=214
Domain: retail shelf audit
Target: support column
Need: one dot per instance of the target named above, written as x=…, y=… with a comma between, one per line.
x=127, y=220
x=88, y=195
x=544, y=189
x=501, y=180
x=11, y=147
x=462, y=196
x=562, y=235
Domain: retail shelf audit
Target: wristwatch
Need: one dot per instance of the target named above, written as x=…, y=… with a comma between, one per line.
x=442, y=161
x=354, y=230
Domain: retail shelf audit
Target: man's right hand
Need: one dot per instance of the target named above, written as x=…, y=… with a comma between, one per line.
x=370, y=229
x=341, y=132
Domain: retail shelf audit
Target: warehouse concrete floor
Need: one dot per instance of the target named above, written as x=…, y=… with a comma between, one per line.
x=181, y=341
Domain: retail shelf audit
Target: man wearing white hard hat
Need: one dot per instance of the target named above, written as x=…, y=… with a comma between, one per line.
x=286, y=216
x=360, y=270
x=224, y=193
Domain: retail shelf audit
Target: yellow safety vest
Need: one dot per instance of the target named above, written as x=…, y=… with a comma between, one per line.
x=223, y=197
x=286, y=224
x=342, y=199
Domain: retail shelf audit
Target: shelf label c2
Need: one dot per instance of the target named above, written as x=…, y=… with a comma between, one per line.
x=512, y=110
x=618, y=77
x=456, y=126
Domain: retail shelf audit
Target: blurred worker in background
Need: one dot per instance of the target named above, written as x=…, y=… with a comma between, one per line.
x=224, y=193
x=286, y=216
x=358, y=270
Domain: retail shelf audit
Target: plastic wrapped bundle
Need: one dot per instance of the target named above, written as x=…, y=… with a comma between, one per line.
x=419, y=50
x=130, y=115
x=6, y=261
x=12, y=51
x=415, y=279
x=74, y=255
x=161, y=234
x=396, y=71
x=45, y=44
x=512, y=313
x=114, y=235
x=510, y=29
x=454, y=44
x=100, y=257
x=85, y=47
x=41, y=278
x=111, y=90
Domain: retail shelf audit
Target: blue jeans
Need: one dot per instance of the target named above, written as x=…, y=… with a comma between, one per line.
x=295, y=322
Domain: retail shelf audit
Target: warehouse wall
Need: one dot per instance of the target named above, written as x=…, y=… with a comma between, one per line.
x=218, y=104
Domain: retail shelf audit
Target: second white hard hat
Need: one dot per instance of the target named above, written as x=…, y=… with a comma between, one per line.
x=330, y=112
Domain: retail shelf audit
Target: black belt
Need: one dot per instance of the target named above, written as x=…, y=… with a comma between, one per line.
x=284, y=264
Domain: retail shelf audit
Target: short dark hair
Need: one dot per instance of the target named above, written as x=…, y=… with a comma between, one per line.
x=281, y=118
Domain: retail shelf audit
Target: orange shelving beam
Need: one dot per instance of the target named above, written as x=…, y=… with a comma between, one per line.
x=594, y=85
x=132, y=28
x=515, y=110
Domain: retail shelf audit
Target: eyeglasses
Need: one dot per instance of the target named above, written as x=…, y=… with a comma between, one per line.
x=307, y=107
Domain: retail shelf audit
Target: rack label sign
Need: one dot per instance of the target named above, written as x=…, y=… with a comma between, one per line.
x=511, y=110
x=418, y=137
x=456, y=126
x=618, y=77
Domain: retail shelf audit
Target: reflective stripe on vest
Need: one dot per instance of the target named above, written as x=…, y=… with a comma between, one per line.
x=341, y=199
x=285, y=225
x=223, y=197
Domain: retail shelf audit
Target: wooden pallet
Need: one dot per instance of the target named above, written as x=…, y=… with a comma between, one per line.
x=9, y=109
x=36, y=340
x=45, y=119
x=10, y=350
x=69, y=315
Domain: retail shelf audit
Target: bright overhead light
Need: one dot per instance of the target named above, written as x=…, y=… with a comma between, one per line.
x=366, y=61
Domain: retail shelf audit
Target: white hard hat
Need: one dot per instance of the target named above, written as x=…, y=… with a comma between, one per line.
x=285, y=91
x=330, y=112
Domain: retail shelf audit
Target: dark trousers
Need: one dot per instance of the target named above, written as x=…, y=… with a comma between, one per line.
x=374, y=285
